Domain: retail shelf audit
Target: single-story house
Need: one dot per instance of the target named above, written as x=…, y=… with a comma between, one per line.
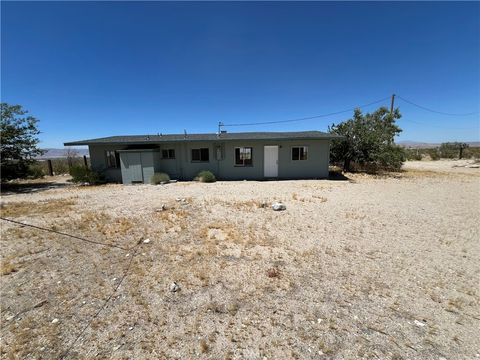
x=230, y=156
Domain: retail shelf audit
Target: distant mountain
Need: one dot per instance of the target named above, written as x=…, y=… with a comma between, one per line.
x=61, y=153
x=422, y=145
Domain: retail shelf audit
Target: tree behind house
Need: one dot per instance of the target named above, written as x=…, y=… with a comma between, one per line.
x=19, y=141
x=368, y=141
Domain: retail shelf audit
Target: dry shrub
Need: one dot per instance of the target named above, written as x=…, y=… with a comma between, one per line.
x=7, y=267
x=24, y=208
x=173, y=218
x=204, y=346
x=320, y=198
x=247, y=205
x=103, y=223
x=273, y=272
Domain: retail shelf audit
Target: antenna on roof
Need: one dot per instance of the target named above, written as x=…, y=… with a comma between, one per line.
x=184, y=133
x=220, y=124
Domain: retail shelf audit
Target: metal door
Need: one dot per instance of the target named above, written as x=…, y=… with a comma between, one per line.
x=270, y=165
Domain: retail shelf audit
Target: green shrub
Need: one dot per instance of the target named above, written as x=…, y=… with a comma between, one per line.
x=433, y=153
x=159, y=178
x=36, y=171
x=80, y=174
x=413, y=154
x=206, y=176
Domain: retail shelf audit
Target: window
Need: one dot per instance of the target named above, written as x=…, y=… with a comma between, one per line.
x=168, y=154
x=113, y=160
x=299, y=153
x=200, y=155
x=243, y=156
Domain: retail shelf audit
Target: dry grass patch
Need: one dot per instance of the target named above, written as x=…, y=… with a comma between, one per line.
x=24, y=208
x=173, y=219
x=7, y=267
x=222, y=232
x=105, y=224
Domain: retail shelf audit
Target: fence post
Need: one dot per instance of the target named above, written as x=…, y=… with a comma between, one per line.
x=85, y=161
x=50, y=167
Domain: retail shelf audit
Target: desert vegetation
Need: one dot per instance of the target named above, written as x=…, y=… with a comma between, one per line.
x=444, y=151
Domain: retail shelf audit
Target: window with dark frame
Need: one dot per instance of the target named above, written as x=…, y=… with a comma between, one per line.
x=243, y=156
x=299, y=153
x=200, y=155
x=113, y=159
x=168, y=154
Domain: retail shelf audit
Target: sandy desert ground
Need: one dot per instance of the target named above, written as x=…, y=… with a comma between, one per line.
x=382, y=267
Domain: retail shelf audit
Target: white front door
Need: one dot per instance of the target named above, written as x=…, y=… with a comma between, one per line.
x=270, y=164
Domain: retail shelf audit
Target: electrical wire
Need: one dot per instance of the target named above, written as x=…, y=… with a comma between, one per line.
x=64, y=234
x=435, y=111
x=107, y=300
x=308, y=118
x=437, y=126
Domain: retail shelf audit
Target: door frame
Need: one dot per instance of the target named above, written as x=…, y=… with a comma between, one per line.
x=265, y=161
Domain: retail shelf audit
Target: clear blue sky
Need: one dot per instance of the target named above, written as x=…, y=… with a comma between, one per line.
x=92, y=69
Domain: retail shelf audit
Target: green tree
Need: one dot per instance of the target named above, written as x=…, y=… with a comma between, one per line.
x=19, y=141
x=451, y=149
x=368, y=140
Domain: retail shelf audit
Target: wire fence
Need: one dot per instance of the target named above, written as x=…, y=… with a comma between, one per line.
x=133, y=249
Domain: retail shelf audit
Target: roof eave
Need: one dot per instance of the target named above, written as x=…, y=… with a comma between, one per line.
x=87, y=142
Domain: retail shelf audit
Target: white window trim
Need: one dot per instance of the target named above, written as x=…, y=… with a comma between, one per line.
x=234, y=155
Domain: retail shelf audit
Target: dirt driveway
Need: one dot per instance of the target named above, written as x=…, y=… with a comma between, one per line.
x=370, y=267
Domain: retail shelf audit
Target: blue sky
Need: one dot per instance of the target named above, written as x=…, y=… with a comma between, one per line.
x=92, y=69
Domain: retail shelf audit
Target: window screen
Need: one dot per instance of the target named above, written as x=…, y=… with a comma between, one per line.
x=243, y=156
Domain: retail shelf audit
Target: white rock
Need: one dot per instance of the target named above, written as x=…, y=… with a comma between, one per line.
x=278, y=206
x=146, y=241
x=419, y=323
x=162, y=208
x=54, y=321
x=174, y=287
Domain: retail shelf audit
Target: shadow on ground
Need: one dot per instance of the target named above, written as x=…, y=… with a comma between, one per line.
x=25, y=188
x=337, y=176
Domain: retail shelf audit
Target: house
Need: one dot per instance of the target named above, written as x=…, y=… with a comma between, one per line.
x=230, y=156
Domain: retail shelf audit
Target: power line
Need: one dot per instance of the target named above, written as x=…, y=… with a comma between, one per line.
x=64, y=234
x=437, y=126
x=344, y=111
x=310, y=117
x=435, y=111
x=89, y=323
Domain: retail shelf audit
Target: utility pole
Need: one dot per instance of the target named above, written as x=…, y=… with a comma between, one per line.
x=220, y=124
x=391, y=104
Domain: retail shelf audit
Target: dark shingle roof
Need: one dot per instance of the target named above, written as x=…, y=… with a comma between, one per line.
x=148, y=139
